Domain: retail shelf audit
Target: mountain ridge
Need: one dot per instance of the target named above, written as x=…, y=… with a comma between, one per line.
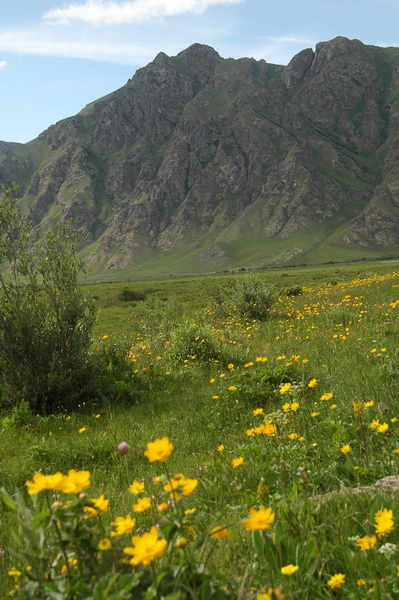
x=202, y=162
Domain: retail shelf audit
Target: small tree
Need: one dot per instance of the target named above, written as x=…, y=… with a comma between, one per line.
x=45, y=322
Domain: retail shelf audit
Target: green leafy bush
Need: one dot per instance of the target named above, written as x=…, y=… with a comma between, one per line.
x=292, y=291
x=45, y=322
x=131, y=295
x=252, y=298
x=247, y=296
x=192, y=341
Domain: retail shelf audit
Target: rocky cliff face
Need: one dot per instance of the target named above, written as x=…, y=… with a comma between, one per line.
x=198, y=154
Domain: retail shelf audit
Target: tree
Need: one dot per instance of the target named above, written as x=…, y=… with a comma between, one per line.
x=45, y=322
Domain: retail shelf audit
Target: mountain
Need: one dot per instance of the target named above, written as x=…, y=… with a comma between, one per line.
x=201, y=163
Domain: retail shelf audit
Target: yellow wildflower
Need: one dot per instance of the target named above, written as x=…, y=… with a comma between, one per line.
x=284, y=387
x=236, y=462
x=100, y=505
x=73, y=483
x=44, y=482
x=367, y=542
x=104, y=544
x=136, y=488
x=384, y=522
x=180, y=483
x=383, y=427
x=190, y=511
x=289, y=569
x=142, y=505
x=159, y=450
x=219, y=532
x=14, y=573
x=267, y=428
x=258, y=519
x=336, y=581
x=123, y=525
x=146, y=548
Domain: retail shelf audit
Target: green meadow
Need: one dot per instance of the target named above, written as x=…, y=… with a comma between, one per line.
x=253, y=446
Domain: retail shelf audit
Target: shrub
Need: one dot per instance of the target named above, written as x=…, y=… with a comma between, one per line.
x=155, y=318
x=45, y=322
x=292, y=291
x=195, y=342
x=130, y=295
x=118, y=382
x=252, y=298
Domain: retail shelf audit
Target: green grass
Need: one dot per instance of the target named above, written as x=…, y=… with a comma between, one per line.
x=341, y=331
x=114, y=313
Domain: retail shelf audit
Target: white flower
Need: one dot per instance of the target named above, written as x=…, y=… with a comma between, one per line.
x=388, y=549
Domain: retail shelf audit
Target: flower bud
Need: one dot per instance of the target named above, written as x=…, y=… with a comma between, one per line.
x=123, y=448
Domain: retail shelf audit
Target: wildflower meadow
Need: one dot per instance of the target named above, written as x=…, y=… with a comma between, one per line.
x=241, y=442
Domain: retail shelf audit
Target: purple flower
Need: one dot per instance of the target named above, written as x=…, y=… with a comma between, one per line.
x=123, y=448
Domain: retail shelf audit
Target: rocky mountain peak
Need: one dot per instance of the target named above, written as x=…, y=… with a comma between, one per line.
x=199, y=61
x=326, y=52
x=161, y=59
x=218, y=162
x=297, y=67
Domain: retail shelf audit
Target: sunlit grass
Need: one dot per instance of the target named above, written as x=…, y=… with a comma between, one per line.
x=286, y=413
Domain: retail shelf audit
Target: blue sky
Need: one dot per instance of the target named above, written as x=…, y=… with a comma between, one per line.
x=56, y=56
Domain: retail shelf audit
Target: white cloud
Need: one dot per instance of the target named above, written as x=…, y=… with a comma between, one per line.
x=36, y=42
x=3, y=64
x=109, y=12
